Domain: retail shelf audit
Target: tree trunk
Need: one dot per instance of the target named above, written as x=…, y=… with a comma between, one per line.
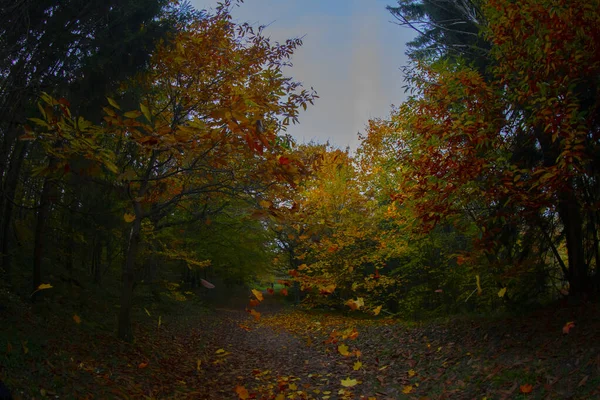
x=9, y=191
x=124, y=331
x=570, y=215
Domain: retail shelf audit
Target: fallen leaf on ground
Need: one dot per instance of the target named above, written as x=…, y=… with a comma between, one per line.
x=349, y=382
x=526, y=388
x=242, y=392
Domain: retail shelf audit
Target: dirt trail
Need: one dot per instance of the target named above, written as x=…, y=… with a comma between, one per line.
x=263, y=359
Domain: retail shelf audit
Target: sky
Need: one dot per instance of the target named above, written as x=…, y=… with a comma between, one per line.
x=351, y=55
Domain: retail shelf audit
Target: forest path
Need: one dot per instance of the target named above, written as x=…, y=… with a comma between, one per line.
x=190, y=352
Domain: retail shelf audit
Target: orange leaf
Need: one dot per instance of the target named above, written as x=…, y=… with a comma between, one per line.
x=527, y=388
x=77, y=319
x=254, y=303
x=242, y=392
x=283, y=160
x=284, y=291
x=255, y=314
x=143, y=365
x=568, y=326
x=270, y=291
x=293, y=272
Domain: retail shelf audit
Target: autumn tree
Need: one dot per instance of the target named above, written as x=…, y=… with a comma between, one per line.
x=513, y=149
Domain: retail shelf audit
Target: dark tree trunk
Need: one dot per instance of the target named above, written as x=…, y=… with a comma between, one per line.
x=569, y=211
x=125, y=331
x=8, y=192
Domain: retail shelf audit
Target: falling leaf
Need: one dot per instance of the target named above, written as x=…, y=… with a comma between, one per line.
x=460, y=260
x=583, y=381
x=343, y=349
x=255, y=314
x=270, y=291
x=242, y=392
x=355, y=304
x=439, y=291
x=198, y=365
x=357, y=365
x=479, y=290
x=128, y=217
x=326, y=290
x=527, y=388
x=207, y=284
x=44, y=286
x=284, y=291
x=407, y=389
x=568, y=326
x=159, y=321
x=377, y=310
x=502, y=292
x=258, y=294
x=147, y=312
x=349, y=382
x=143, y=365
x=77, y=319
x=411, y=373
x=254, y=303
x=24, y=345
x=220, y=351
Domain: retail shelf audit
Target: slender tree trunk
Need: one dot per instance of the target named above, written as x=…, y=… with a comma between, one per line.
x=124, y=331
x=9, y=192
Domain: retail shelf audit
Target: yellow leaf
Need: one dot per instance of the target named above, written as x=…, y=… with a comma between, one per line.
x=343, y=349
x=42, y=287
x=411, y=373
x=24, y=345
x=146, y=112
x=220, y=351
x=407, y=389
x=357, y=365
x=502, y=292
x=77, y=319
x=198, y=364
x=258, y=294
x=147, y=312
x=377, y=310
x=349, y=382
x=479, y=290
x=113, y=103
x=242, y=392
x=132, y=114
x=128, y=217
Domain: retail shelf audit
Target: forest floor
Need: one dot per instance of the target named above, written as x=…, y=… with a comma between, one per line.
x=293, y=354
